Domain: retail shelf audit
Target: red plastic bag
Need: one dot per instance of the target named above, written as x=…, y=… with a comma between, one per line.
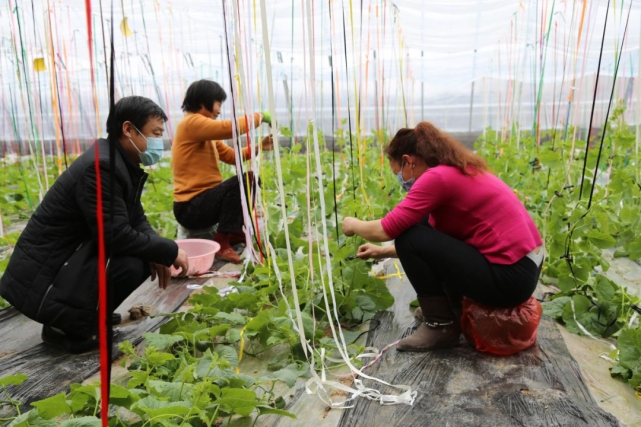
x=500, y=330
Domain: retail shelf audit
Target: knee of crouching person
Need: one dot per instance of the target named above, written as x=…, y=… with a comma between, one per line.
x=127, y=268
x=404, y=243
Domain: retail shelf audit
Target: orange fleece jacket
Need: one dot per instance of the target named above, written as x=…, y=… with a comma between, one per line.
x=198, y=148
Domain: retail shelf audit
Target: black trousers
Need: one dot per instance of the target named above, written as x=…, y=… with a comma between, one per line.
x=219, y=205
x=77, y=285
x=435, y=262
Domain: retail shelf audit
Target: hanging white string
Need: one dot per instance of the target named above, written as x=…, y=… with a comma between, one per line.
x=407, y=396
x=233, y=26
x=279, y=172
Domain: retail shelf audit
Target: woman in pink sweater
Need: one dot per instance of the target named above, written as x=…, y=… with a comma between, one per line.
x=460, y=231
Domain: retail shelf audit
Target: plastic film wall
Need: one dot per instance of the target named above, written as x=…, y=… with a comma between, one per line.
x=464, y=65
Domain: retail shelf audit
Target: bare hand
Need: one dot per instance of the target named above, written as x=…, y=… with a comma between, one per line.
x=349, y=224
x=182, y=262
x=369, y=250
x=267, y=143
x=162, y=272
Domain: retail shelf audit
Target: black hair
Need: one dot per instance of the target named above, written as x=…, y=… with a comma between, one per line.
x=203, y=93
x=135, y=109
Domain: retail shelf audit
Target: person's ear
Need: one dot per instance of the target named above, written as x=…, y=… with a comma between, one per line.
x=128, y=129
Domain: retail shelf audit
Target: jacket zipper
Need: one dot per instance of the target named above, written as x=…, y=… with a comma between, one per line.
x=43, y=302
x=136, y=198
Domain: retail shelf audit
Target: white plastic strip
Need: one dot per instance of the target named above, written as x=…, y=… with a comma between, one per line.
x=279, y=171
x=320, y=386
x=632, y=319
x=407, y=396
x=231, y=30
x=248, y=107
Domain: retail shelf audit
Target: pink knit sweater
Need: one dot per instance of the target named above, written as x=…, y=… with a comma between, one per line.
x=479, y=210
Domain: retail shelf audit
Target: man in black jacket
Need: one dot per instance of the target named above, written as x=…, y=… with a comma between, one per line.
x=52, y=274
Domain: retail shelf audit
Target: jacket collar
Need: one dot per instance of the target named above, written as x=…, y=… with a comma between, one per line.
x=125, y=163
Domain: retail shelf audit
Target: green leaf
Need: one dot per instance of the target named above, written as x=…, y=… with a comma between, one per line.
x=234, y=318
x=601, y=240
x=89, y=390
x=238, y=401
x=261, y=320
x=82, y=422
x=629, y=344
x=620, y=371
x=229, y=354
x=290, y=373
x=31, y=419
x=234, y=335
x=635, y=381
x=566, y=282
x=219, y=330
x=206, y=299
x=554, y=308
x=80, y=401
x=240, y=380
x=169, y=327
x=120, y=396
x=155, y=408
x=628, y=214
x=138, y=378
x=53, y=406
x=13, y=380
x=605, y=288
x=634, y=249
x=206, y=364
x=581, y=306
x=342, y=253
x=264, y=410
x=280, y=402
x=549, y=158
x=243, y=301
x=157, y=359
x=351, y=336
x=173, y=391
x=161, y=341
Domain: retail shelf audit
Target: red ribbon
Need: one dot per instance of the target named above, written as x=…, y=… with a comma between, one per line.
x=102, y=277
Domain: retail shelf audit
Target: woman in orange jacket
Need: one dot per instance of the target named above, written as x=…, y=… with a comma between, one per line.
x=201, y=197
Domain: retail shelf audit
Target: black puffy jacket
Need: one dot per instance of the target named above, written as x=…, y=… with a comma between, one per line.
x=65, y=220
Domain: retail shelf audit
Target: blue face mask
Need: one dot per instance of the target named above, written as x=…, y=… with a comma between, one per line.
x=405, y=185
x=153, y=152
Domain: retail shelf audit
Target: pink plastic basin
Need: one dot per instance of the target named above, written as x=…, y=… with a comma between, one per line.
x=201, y=254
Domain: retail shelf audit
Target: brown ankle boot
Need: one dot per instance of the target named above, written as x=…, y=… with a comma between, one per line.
x=439, y=329
x=456, y=302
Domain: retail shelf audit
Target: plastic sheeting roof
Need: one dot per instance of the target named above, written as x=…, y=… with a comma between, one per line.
x=404, y=60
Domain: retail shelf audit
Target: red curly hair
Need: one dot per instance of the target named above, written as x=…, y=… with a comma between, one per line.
x=435, y=147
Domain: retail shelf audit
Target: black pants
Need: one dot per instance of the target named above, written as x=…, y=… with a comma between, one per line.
x=77, y=286
x=125, y=275
x=219, y=205
x=435, y=262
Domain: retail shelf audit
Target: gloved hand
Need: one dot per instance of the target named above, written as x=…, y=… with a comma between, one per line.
x=267, y=118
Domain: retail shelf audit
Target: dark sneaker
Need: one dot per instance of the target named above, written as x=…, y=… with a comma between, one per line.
x=116, y=319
